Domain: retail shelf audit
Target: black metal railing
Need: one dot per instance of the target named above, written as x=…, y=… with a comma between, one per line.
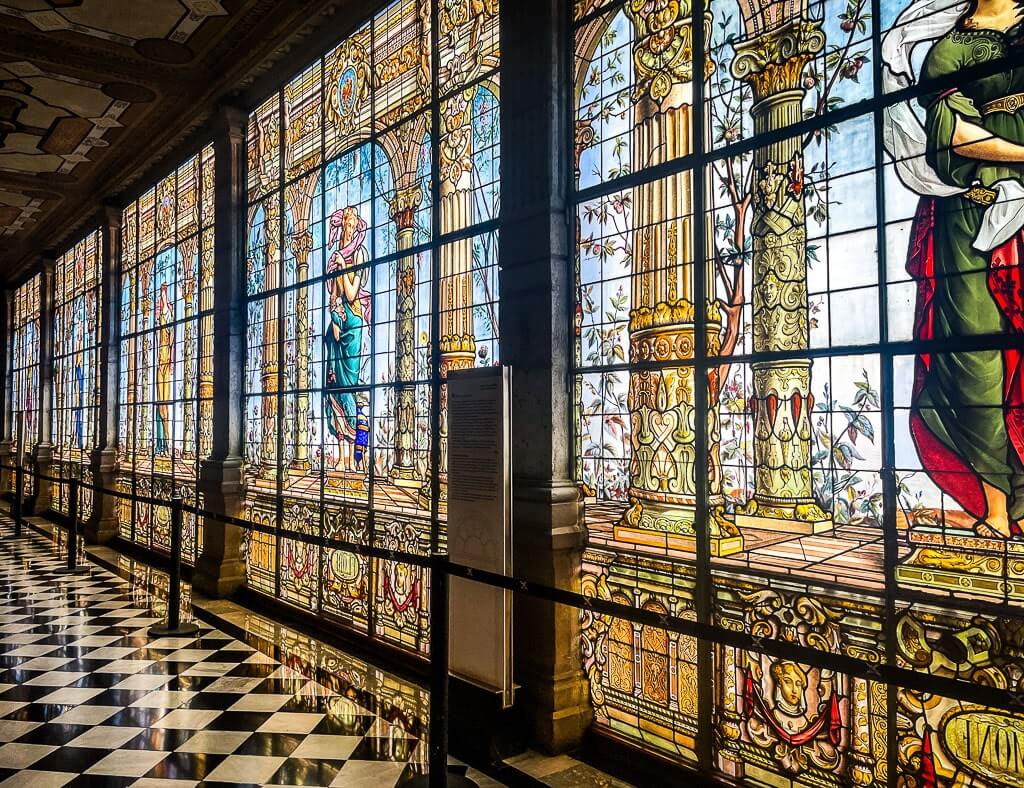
x=442, y=569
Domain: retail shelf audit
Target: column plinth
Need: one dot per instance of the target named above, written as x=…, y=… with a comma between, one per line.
x=220, y=568
x=103, y=526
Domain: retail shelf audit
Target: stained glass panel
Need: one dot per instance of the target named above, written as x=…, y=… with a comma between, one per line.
x=166, y=389
x=796, y=330
x=76, y=339
x=372, y=272
x=24, y=361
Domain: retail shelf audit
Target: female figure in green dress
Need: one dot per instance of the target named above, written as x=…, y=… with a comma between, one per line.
x=343, y=341
x=965, y=250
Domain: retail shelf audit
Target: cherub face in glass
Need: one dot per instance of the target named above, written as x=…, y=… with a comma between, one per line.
x=790, y=684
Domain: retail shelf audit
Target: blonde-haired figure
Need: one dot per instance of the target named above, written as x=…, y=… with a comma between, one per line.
x=349, y=308
x=790, y=684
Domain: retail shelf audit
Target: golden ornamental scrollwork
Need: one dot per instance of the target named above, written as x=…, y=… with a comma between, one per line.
x=455, y=343
x=773, y=62
x=348, y=85
x=671, y=313
x=404, y=205
x=663, y=46
x=456, y=139
x=794, y=711
x=302, y=245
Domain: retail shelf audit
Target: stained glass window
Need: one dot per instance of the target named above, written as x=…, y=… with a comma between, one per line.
x=24, y=361
x=372, y=272
x=76, y=339
x=798, y=406
x=166, y=386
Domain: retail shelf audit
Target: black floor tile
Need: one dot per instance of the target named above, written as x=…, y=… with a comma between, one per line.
x=236, y=656
x=116, y=697
x=53, y=733
x=185, y=766
x=270, y=744
x=279, y=687
x=382, y=748
x=190, y=683
x=166, y=668
x=37, y=712
x=159, y=739
x=306, y=771
x=137, y=717
x=213, y=700
x=99, y=680
x=100, y=781
x=344, y=725
x=29, y=693
x=250, y=670
x=239, y=720
x=70, y=759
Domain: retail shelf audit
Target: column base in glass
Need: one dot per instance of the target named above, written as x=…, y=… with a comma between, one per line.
x=662, y=525
x=402, y=476
x=795, y=517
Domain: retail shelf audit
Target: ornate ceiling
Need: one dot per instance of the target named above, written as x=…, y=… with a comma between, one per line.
x=96, y=93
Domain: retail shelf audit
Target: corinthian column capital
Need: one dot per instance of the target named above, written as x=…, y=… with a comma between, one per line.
x=773, y=62
x=404, y=205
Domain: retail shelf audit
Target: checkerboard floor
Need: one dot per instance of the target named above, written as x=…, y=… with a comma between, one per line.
x=87, y=697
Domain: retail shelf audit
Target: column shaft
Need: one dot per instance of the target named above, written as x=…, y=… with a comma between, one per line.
x=7, y=392
x=773, y=64
x=403, y=213
x=302, y=245
x=535, y=317
x=220, y=568
x=102, y=525
x=270, y=367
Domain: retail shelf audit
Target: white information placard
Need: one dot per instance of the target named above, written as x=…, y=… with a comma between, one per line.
x=480, y=526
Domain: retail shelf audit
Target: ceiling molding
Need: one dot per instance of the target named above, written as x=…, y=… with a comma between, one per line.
x=254, y=46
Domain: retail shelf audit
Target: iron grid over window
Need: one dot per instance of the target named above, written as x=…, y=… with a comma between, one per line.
x=165, y=404
x=76, y=338
x=371, y=273
x=799, y=410
x=24, y=371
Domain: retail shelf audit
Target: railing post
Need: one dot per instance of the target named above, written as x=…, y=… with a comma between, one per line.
x=19, y=489
x=73, y=525
x=438, y=774
x=73, y=567
x=173, y=626
x=438, y=763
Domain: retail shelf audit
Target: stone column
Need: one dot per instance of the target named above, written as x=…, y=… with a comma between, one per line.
x=6, y=418
x=300, y=199
x=535, y=317
x=206, y=357
x=42, y=453
x=220, y=568
x=458, y=345
x=270, y=376
x=403, y=214
x=661, y=400
x=102, y=525
x=772, y=63
x=302, y=245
